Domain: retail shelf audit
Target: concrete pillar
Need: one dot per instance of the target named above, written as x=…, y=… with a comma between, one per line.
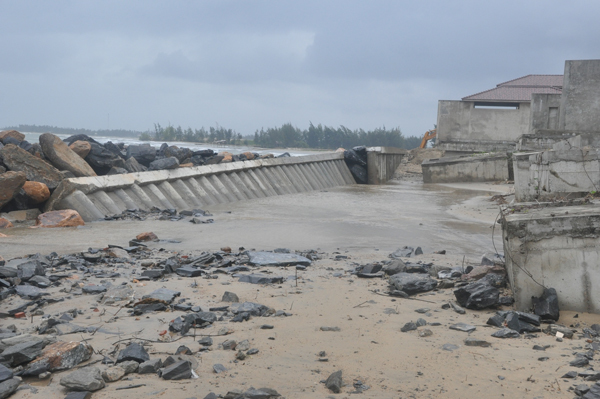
x=241, y=185
x=262, y=183
x=173, y=196
x=219, y=197
x=295, y=177
x=141, y=194
x=319, y=175
x=218, y=184
x=82, y=204
x=162, y=200
x=186, y=193
x=286, y=180
x=310, y=176
x=197, y=189
x=276, y=175
x=268, y=176
x=108, y=202
x=129, y=202
x=230, y=184
x=251, y=184
x=98, y=204
x=334, y=173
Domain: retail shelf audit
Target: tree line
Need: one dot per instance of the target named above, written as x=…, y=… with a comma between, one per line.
x=74, y=131
x=319, y=136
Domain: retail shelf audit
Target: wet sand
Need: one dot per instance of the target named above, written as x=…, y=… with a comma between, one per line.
x=363, y=223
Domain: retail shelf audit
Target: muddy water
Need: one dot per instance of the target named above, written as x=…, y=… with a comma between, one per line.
x=356, y=218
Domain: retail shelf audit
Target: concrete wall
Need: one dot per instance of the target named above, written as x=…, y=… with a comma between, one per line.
x=566, y=173
x=201, y=186
x=545, y=112
x=466, y=169
x=382, y=163
x=560, y=248
x=459, y=122
x=580, y=101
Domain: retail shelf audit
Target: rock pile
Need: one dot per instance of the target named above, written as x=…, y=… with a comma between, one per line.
x=29, y=173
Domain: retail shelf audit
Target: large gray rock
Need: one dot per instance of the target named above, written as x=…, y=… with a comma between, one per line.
x=29, y=268
x=5, y=373
x=163, y=294
x=164, y=163
x=277, y=259
x=334, y=382
x=177, y=371
x=10, y=185
x=546, y=306
x=22, y=353
x=143, y=153
x=102, y=160
x=8, y=387
x=255, y=309
x=63, y=356
x=478, y=295
x=412, y=283
x=150, y=366
x=84, y=379
x=19, y=160
x=64, y=158
x=132, y=166
x=134, y=351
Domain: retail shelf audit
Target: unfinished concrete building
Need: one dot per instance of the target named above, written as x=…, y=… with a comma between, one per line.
x=552, y=239
x=492, y=120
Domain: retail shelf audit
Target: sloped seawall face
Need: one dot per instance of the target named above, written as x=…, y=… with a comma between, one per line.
x=201, y=186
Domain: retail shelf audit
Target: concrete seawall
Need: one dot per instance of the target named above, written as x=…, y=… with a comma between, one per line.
x=201, y=186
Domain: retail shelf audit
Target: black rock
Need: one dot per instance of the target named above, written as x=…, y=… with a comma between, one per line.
x=593, y=393
x=143, y=153
x=260, y=279
x=29, y=268
x=153, y=273
x=134, y=351
x=514, y=322
x=79, y=395
x=409, y=327
x=412, y=283
x=149, y=307
x=241, y=317
x=206, y=341
x=22, y=353
x=463, y=327
x=5, y=373
x=371, y=268
x=506, y=333
x=478, y=295
x=546, y=306
x=579, y=362
x=334, y=382
x=189, y=271
x=28, y=291
x=570, y=374
x=93, y=289
x=163, y=294
x=211, y=395
x=150, y=366
x=230, y=297
x=177, y=371
x=115, y=170
x=255, y=309
x=277, y=259
x=79, y=137
x=404, y=252
x=164, y=163
x=102, y=160
x=8, y=387
x=359, y=173
x=353, y=158
x=219, y=368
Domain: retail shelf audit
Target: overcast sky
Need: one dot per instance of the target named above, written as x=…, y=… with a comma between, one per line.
x=252, y=64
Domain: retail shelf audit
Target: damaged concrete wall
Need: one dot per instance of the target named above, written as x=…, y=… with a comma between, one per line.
x=462, y=127
x=382, y=163
x=559, y=247
x=570, y=173
x=545, y=112
x=580, y=101
x=466, y=169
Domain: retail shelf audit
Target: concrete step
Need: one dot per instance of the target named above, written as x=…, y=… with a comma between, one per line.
x=201, y=186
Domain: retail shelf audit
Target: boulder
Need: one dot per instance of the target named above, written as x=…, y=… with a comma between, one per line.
x=150, y=366
x=19, y=160
x=11, y=133
x=334, y=382
x=249, y=156
x=22, y=353
x=84, y=379
x=412, y=283
x=63, y=355
x=230, y=297
x=164, y=163
x=81, y=148
x=143, y=153
x=36, y=192
x=359, y=173
x=10, y=184
x=133, y=166
x=147, y=236
x=8, y=387
x=62, y=157
x=79, y=137
x=117, y=171
x=546, y=306
x=478, y=295
x=5, y=223
x=135, y=352
x=177, y=371
x=63, y=218
x=102, y=160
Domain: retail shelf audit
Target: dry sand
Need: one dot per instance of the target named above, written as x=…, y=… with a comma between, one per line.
x=363, y=223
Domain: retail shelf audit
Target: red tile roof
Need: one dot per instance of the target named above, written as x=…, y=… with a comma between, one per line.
x=520, y=89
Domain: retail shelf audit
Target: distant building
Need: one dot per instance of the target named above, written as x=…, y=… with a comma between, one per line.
x=493, y=120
